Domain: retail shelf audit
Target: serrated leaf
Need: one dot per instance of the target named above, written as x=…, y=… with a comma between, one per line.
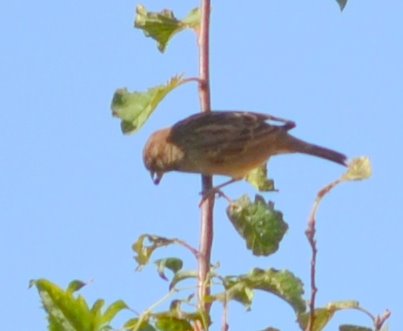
x=134, y=108
x=67, y=312
x=280, y=283
x=342, y=4
x=358, y=169
x=324, y=315
x=174, y=264
x=258, y=223
x=258, y=178
x=348, y=327
x=162, y=26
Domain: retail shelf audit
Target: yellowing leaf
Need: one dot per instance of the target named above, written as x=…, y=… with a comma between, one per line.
x=258, y=178
x=358, y=169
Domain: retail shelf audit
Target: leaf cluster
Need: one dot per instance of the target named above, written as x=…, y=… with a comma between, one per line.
x=69, y=313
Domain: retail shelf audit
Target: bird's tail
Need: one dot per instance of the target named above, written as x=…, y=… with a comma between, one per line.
x=300, y=146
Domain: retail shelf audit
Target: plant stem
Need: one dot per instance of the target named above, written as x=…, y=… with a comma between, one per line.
x=206, y=229
x=310, y=234
x=204, y=53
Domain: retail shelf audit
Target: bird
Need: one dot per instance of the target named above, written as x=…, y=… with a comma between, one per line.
x=228, y=143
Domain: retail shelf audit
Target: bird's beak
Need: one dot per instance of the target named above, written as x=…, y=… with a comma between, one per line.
x=156, y=177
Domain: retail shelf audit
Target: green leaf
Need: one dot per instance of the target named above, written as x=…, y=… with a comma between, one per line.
x=180, y=276
x=134, y=108
x=69, y=313
x=173, y=319
x=324, y=315
x=113, y=310
x=162, y=26
x=280, y=283
x=192, y=21
x=75, y=286
x=342, y=4
x=145, y=246
x=177, y=319
x=258, y=178
x=170, y=323
x=174, y=264
x=258, y=223
x=97, y=307
x=133, y=325
x=358, y=169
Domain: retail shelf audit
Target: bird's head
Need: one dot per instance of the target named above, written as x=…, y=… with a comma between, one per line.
x=160, y=155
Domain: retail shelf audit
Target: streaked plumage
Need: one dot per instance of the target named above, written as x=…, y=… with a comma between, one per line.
x=228, y=143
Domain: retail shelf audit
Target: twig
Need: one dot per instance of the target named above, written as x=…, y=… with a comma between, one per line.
x=183, y=243
x=191, y=79
x=378, y=321
x=310, y=234
x=224, y=323
x=152, y=307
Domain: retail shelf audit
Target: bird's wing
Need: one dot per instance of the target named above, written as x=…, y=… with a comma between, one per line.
x=217, y=133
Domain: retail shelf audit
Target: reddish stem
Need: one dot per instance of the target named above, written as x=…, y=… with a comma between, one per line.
x=206, y=228
x=310, y=233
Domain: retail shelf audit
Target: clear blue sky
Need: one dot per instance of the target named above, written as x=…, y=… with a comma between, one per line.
x=74, y=194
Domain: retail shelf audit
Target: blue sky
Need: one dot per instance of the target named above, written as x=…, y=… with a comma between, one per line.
x=74, y=194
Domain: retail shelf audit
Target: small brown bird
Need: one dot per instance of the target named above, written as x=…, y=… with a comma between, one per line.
x=229, y=143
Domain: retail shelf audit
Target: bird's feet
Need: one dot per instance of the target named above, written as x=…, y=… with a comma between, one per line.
x=211, y=193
